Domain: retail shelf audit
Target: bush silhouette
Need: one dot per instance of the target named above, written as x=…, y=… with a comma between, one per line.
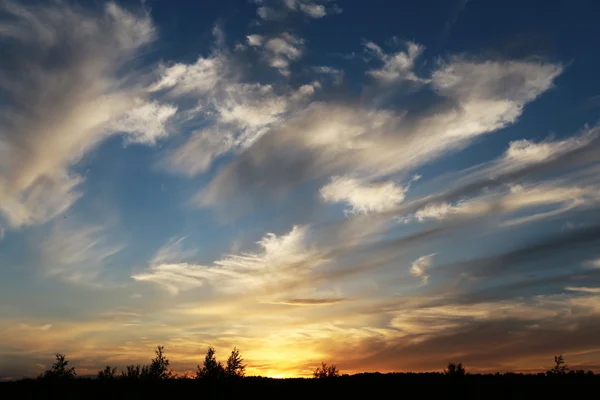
x=455, y=370
x=59, y=369
x=132, y=372
x=211, y=369
x=235, y=366
x=107, y=373
x=325, y=371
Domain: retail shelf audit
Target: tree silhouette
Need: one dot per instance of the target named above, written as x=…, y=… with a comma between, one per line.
x=235, y=366
x=559, y=366
x=212, y=369
x=159, y=366
x=455, y=369
x=59, y=369
x=325, y=371
x=107, y=373
x=132, y=372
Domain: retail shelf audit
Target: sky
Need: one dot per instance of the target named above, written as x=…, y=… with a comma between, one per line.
x=382, y=185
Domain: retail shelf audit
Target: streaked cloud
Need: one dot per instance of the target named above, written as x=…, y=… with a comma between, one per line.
x=283, y=258
x=341, y=139
x=79, y=253
x=36, y=147
x=363, y=197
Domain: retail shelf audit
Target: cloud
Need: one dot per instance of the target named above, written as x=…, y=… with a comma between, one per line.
x=145, y=123
x=516, y=198
x=344, y=139
x=313, y=10
x=336, y=73
x=583, y=289
x=396, y=67
x=65, y=94
x=363, y=197
x=278, y=10
x=231, y=112
x=458, y=192
x=420, y=266
x=197, y=78
x=240, y=114
x=525, y=152
x=313, y=302
x=78, y=253
x=279, y=51
x=282, y=259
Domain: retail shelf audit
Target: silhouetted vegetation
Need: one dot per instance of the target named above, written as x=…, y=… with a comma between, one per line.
x=559, y=366
x=132, y=372
x=59, y=369
x=211, y=369
x=325, y=371
x=107, y=373
x=235, y=365
x=215, y=380
x=455, y=370
x=159, y=366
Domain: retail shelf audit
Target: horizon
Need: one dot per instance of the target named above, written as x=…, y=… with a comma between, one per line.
x=385, y=186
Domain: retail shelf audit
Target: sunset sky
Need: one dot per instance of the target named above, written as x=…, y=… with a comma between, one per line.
x=384, y=185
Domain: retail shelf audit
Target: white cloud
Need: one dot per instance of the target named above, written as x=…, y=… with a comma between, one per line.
x=279, y=51
x=55, y=113
x=313, y=10
x=345, y=139
x=517, y=198
x=78, y=253
x=198, y=78
x=420, y=266
x=277, y=10
x=436, y=211
x=145, y=123
x=524, y=152
x=396, y=67
x=583, y=289
x=233, y=114
x=241, y=114
x=282, y=259
x=363, y=197
x=515, y=81
x=255, y=40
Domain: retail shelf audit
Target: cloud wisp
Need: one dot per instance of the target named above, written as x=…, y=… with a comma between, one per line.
x=65, y=96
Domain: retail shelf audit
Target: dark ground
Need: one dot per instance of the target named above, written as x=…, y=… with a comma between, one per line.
x=362, y=386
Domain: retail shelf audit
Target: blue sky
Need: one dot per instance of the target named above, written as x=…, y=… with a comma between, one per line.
x=414, y=181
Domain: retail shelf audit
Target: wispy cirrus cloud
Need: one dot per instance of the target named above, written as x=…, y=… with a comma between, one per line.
x=79, y=253
x=281, y=259
x=342, y=139
x=37, y=147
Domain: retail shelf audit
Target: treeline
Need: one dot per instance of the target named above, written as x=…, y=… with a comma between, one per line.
x=217, y=380
x=234, y=368
x=158, y=369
